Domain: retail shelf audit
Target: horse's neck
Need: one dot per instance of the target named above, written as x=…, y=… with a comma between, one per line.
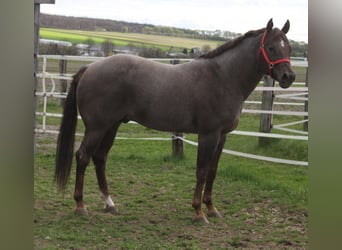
x=240, y=66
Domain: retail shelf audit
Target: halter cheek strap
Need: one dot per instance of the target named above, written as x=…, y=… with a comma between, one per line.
x=267, y=59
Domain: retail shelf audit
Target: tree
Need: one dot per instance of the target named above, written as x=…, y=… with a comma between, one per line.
x=217, y=33
x=107, y=47
x=147, y=30
x=125, y=29
x=206, y=48
x=90, y=42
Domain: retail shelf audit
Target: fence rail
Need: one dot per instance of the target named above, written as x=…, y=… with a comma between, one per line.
x=179, y=139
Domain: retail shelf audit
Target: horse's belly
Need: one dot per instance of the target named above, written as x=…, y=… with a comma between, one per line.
x=165, y=121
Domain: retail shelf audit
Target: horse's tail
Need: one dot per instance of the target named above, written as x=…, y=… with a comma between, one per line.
x=66, y=137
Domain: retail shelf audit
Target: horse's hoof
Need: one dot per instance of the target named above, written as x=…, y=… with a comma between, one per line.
x=111, y=209
x=81, y=211
x=200, y=219
x=214, y=214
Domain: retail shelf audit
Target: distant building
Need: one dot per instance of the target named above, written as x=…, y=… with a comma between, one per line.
x=55, y=42
x=195, y=52
x=94, y=50
x=124, y=51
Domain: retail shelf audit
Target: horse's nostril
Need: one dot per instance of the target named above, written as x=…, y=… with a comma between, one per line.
x=288, y=77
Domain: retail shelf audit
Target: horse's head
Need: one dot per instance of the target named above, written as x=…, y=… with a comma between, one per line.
x=275, y=49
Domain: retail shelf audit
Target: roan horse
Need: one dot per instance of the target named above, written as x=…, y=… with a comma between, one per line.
x=204, y=96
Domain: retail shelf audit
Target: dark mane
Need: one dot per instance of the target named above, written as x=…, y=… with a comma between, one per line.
x=231, y=44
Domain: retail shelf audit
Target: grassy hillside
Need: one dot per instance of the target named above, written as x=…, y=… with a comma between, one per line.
x=124, y=39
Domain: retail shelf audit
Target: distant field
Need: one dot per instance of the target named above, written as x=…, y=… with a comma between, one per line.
x=123, y=39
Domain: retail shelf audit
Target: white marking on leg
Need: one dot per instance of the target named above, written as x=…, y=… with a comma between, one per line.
x=108, y=201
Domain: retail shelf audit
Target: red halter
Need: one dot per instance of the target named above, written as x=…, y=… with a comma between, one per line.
x=267, y=59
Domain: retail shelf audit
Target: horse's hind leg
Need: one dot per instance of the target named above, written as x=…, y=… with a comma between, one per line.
x=99, y=159
x=91, y=140
x=207, y=197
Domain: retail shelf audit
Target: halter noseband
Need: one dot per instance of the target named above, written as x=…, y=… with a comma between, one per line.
x=267, y=59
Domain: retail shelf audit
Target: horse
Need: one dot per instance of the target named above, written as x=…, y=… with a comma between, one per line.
x=204, y=96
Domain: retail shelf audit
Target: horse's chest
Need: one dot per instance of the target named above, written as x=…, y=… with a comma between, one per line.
x=231, y=124
x=230, y=119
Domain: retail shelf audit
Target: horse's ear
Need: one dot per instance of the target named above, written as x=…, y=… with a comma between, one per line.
x=269, y=25
x=286, y=27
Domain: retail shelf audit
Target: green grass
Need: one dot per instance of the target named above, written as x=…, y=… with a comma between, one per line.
x=264, y=204
x=123, y=39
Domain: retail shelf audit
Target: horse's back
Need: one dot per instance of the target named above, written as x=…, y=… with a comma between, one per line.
x=128, y=87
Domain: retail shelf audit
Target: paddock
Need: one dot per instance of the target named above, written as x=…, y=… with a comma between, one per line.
x=264, y=203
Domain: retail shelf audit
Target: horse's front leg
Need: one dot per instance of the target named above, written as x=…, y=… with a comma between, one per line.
x=207, y=146
x=207, y=197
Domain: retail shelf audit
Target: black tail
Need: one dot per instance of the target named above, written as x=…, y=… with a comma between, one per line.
x=66, y=137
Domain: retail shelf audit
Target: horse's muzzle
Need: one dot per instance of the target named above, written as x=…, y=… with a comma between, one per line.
x=286, y=79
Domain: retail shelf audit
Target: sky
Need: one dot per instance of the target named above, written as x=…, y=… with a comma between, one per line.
x=237, y=16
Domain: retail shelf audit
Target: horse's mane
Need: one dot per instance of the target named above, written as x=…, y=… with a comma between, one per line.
x=231, y=43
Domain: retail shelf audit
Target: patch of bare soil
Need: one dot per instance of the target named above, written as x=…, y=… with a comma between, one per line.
x=268, y=226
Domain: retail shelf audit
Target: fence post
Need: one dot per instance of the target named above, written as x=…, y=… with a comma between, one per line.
x=62, y=72
x=177, y=144
x=306, y=103
x=266, y=104
x=36, y=64
x=36, y=23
